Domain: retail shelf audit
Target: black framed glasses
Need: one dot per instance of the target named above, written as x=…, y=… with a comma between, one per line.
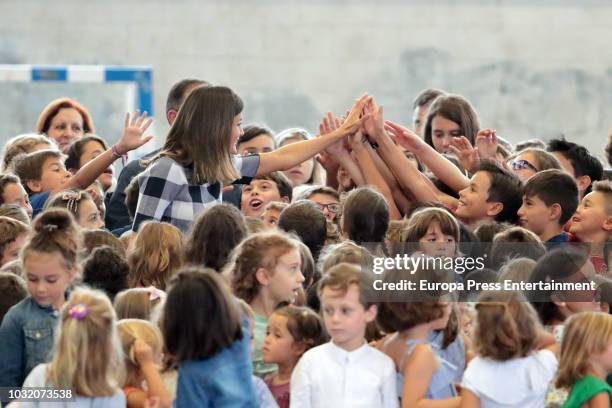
x=332, y=208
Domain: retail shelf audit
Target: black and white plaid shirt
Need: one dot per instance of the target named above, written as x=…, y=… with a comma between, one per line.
x=166, y=194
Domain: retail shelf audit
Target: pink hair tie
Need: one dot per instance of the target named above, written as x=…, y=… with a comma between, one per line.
x=155, y=293
x=78, y=311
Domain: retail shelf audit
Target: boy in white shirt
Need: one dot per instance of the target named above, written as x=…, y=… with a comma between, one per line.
x=346, y=372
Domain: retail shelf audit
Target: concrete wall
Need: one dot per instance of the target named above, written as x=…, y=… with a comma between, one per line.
x=530, y=70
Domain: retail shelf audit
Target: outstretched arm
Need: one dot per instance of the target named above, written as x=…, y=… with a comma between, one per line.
x=132, y=138
x=295, y=153
x=442, y=168
x=363, y=152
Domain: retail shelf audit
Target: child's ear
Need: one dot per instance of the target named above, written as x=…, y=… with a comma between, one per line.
x=262, y=276
x=72, y=273
x=583, y=182
x=371, y=313
x=554, y=211
x=494, y=208
x=34, y=186
x=171, y=115
x=607, y=224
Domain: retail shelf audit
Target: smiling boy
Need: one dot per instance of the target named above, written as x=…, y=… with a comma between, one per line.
x=494, y=194
x=550, y=198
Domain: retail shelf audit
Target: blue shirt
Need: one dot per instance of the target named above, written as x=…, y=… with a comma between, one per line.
x=557, y=241
x=38, y=201
x=27, y=333
x=223, y=380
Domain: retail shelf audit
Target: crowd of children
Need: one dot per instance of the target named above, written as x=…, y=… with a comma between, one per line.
x=233, y=268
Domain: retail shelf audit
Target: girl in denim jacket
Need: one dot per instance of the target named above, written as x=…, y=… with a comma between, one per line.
x=204, y=332
x=50, y=264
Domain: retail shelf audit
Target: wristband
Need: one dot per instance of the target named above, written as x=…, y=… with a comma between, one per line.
x=117, y=155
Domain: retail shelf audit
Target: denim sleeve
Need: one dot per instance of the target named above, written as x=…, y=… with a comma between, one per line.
x=117, y=214
x=11, y=353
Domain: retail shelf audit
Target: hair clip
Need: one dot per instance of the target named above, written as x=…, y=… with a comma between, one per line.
x=73, y=197
x=50, y=227
x=78, y=311
x=155, y=293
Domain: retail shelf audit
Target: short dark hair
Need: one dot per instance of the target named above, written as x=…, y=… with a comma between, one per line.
x=176, y=95
x=426, y=96
x=107, y=270
x=609, y=150
x=213, y=236
x=554, y=266
x=515, y=242
x=505, y=188
x=309, y=223
x=365, y=216
x=6, y=179
x=29, y=167
x=319, y=190
x=284, y=186
x=583, y=162
x=253, y=130
x=194, y=293
x=554, y=187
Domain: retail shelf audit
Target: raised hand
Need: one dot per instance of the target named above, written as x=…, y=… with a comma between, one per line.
x=374, y=124
x=143, y=353
x=467, y=155
x=486, y=143
x=404, y=137
x=356, y=115
x=133, y=131
x=327, y=158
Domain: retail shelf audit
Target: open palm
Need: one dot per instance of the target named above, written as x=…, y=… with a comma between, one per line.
x=133, y=132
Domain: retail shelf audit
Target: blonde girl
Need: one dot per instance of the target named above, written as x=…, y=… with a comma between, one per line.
x=49, y=262
x=586, y=360
x=142, y=346
x=138, y=303
x=200, y=154
x=291, y=332
x=87, y=359
x=157, y=255
x=265, y=272
x=515, y=362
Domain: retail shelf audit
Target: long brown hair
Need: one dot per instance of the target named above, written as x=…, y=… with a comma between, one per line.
x=454, y=108
x=200, y=134
x=157, y=255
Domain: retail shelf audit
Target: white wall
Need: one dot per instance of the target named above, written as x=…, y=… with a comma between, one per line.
x=531, y=71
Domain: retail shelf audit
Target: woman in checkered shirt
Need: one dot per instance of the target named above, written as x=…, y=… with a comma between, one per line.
x=200, y=155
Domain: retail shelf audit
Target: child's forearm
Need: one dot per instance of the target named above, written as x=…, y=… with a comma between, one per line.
x=442, y=168
x=373, y=177
x=348, y=163
x=91, y=170
x=408, y=177
x=293, y=154
x=427, y=403
x=155, y=385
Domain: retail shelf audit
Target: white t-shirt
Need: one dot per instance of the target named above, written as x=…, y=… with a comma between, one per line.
x=328, y=376
x=520, y=383
x=37, y=378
